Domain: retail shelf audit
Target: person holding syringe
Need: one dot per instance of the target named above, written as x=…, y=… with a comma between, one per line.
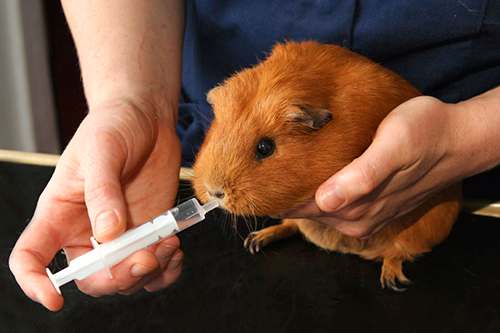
x=121, y=168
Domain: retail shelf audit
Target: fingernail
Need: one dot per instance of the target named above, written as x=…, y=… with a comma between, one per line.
x=139, y=270
x=105, y=221
x=331, y=199
x=165, y=251
x=175, y=262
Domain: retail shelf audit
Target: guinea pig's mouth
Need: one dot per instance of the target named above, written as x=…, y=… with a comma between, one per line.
x=221, y=203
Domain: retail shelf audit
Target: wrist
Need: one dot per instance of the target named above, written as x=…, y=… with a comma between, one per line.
x=474, y=126
x=118, y=88
x=153, y=104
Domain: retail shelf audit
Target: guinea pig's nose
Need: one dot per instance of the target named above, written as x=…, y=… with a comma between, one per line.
x=219, y=194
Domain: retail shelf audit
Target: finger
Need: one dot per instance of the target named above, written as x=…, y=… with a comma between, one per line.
x=32, y=253
x=166, y=248
x=308, y=210
x=171, y=272
x=362, y=176
x=167, y=253
x=360, y=229
x=104, y=197
x=130, y=275
x=127, y=276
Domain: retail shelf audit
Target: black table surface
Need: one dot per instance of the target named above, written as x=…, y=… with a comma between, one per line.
x=291, y=287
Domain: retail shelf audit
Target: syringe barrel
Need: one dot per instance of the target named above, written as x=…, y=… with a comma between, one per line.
x=138, y=238
x=110, y=253
x=188, y=213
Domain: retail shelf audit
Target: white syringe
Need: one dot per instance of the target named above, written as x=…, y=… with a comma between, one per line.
x=110, y=253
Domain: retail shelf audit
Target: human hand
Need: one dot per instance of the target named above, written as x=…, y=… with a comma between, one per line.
x=412, y=157
x=120, y=170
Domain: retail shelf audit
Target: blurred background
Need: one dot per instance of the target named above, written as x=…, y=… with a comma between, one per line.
x=41, y=95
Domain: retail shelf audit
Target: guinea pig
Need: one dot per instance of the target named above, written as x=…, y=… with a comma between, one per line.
x=284, y=126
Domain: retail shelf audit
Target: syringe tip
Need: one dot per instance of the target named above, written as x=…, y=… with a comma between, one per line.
x=210, y=206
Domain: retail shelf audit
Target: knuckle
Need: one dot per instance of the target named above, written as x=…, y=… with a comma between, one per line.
x=168, y=277
x=356, y=232
x=123, y=286
x=355, y=214
x=97, y=192
x=367, y=178
x=13, y=261
x=403, y=128
x=356, y=222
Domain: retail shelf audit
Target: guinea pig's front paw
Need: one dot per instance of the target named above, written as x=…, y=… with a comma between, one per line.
x=258, y=239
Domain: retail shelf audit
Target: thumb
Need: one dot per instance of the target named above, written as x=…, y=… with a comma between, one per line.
x=358, y=179
x=104, y=199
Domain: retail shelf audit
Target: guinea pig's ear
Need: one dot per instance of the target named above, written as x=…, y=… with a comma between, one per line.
x=212, y=94
x=312, y=118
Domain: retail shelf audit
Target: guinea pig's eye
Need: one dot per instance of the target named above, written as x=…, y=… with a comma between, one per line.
x=265, y=148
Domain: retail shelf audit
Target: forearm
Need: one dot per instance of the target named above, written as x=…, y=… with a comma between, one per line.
x=128, y=49
x=475, y=128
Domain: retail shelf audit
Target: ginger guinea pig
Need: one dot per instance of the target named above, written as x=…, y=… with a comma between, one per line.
x=286, y=125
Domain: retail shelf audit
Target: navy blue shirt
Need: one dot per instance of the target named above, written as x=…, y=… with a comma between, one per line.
x=447, y=49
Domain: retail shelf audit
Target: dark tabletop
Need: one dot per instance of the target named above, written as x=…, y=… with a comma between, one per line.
x=292, y=287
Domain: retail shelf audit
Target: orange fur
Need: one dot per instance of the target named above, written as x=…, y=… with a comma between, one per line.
x=264, y=101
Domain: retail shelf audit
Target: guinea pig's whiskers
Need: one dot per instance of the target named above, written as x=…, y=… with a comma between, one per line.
x=230, y=223
x=225, y=220
x=248, y=222
x=235, y=225
x=201, y=114
x=255, y=223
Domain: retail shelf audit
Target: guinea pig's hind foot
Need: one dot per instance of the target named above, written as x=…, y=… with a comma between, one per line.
x=392, y=273
x=258, y=239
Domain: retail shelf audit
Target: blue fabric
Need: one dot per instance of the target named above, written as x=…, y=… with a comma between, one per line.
x=447, y=49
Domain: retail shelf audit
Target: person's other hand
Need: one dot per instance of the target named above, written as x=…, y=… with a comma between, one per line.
x=410, y=159
x=120, y=170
